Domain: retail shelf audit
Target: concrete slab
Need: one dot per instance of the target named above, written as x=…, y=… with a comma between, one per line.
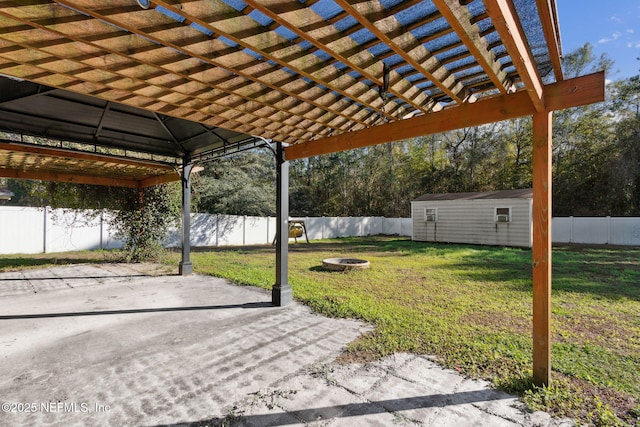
x=102, y=345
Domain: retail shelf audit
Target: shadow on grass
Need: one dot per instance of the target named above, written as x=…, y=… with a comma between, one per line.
x=612, y=276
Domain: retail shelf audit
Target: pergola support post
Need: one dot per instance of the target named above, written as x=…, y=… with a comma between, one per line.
x=542, y=218
x=185, y=267
x=281, y=292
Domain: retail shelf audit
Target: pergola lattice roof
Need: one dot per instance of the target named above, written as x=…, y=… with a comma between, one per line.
x=288, y=70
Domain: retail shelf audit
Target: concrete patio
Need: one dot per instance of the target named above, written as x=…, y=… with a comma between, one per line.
x=122, y=345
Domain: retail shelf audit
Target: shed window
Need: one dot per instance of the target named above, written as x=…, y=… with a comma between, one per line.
x=431, y=214
x=503, y=215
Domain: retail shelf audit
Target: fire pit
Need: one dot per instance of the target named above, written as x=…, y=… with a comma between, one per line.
x=345, y=264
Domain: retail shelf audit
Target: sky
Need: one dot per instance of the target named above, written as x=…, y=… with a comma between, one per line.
x=611, y=26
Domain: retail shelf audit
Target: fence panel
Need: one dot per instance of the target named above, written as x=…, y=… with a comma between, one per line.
x=392, y=226
x=230, y=230
x=256, y=231
x=315, y=227
x=625, y=231
x=73, y=230
x=592, y=230
x=21, y=230
x=561, y=230
x=406, y=226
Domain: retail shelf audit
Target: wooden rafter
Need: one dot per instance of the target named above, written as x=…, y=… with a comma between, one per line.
x=95, y=30
x=373, y=17
x=459, y=18
x=549, y=19
x=111, y=40
x=506, y=22
x=273, y=48
x=341, y=47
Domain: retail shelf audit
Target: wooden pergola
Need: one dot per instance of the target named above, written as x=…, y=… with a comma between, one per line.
x=316, y=76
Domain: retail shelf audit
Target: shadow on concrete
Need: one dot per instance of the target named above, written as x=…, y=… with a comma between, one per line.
x=138, y=310
x=33, y=279
x=349, y=410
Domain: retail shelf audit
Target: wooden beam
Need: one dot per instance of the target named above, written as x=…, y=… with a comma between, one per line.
x=505, y=21
x=406, y=46
x=82, y=156
x=575, y=92
x=565, y=94
x=157, y=180
x=542, y=217
x=148, y=65
x=69, y=177
x=459, y=19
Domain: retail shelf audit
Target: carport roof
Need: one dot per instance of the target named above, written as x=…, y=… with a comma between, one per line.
x=54, y=134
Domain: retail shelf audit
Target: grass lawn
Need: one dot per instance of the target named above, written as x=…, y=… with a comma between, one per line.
x=468, y=305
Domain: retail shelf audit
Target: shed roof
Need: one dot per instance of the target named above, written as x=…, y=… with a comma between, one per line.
x=503, y=194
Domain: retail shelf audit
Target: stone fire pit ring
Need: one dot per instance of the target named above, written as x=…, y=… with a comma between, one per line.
x=345, y=264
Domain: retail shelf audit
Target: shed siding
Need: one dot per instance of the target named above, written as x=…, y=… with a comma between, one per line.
x=473, y=221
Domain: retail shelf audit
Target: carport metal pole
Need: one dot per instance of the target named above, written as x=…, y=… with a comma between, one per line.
x=185, y=268
x=281, y=291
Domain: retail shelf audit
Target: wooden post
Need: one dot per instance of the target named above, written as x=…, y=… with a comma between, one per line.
x=542, y=216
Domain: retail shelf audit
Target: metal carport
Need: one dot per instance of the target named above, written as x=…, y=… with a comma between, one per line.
x=56, y=135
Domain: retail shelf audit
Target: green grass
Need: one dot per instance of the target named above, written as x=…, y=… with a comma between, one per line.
x=470, y=306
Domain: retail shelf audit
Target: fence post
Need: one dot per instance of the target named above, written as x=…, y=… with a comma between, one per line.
x=101, y=230
x=608, y=230
x=217, y=230
x=571, y=229
x=44, y=232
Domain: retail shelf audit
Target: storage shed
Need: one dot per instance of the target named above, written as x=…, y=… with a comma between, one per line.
x=502, y=218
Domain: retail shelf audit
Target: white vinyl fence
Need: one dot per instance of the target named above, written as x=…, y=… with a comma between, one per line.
x=229, y=230
x=590, y=230
x=38, y=230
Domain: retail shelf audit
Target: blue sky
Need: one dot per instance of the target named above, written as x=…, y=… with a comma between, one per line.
x=611, y=26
